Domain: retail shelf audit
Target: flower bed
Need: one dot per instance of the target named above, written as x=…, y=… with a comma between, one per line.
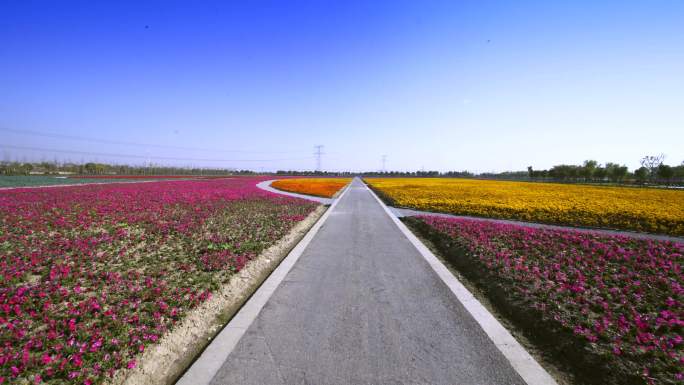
x=92, y=275
x=13, y=181
x=133, y=177
x=612, y=307
x=641, y=209
x=322, y=187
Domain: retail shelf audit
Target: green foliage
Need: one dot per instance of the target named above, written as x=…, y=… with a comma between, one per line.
x=665, y=172
x=91, y=168
x=641, y=174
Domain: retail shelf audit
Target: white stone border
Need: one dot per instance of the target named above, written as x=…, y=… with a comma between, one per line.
x=212, y=358
x=266, y=186
x=523, y=363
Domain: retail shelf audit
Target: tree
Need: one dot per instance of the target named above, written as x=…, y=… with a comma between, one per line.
x=600, y=173
x=641, y=174
x=615, y=172
x=665, y=172
x=587, y=169
x=652, y=162
x=679, y=171
x=26, y=168
x=530, y=171
x=564, y=171
x=90, y=168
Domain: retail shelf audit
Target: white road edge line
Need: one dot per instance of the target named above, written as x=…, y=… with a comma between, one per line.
x=212, y=358
x=523, y=363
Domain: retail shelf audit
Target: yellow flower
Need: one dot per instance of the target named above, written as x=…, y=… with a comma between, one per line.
x=641, y=209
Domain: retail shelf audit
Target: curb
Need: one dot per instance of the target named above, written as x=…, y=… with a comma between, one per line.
x=210, y=361
x=266, y=186
x=521, y=361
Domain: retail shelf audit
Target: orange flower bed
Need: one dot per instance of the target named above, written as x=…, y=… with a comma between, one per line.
x=322, y=187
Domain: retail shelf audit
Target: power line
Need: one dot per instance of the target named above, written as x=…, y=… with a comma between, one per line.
x=318, y=155
x=144, y=156
x=126, y=143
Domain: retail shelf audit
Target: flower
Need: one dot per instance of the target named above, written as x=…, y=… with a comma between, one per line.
x=324, y=187
x=88, y=273
x=615, y=293
x=639, y=209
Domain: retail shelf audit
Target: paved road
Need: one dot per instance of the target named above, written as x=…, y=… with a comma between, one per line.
x=361, y=306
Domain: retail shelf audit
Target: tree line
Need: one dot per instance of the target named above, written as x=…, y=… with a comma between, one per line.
x=91, y=168
x=652, y=170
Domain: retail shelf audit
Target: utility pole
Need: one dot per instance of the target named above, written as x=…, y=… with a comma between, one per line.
x=318, y=153
x=384, y=160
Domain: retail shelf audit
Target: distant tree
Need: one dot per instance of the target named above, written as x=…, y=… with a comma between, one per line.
x=90, y=168
x=651, y=162
x=600, y=173
x=678, y=171
x=615, y=172
x=564, y=172
x=587, y=169
x=530, y=171
x=665, y=172
x=641, y=174
x=26, y=168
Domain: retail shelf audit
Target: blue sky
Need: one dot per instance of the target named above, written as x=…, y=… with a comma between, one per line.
x=477, y=85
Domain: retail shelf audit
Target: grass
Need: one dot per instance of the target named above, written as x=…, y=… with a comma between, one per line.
x=46, y=180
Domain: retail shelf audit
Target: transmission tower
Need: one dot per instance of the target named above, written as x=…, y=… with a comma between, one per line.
x=318, y=152
x=384, y=161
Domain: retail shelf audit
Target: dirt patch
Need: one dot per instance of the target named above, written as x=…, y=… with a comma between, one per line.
x=166, y=361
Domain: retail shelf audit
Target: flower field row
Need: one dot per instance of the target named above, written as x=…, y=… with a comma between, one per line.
x=322, y=187
x=641, y=209
x=92, y=275
x=618, y=300
x=133, y=177
x=13, y=181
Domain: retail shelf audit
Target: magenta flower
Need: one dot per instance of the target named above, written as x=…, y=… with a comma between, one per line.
x=619, y=294
x=89, y=274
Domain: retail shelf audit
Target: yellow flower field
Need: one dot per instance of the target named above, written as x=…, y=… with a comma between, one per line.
x=323, y=187
x=640, y=209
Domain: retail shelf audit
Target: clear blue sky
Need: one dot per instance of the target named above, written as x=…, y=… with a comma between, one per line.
x=451, y=85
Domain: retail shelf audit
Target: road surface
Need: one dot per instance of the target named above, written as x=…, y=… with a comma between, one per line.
x=362, y=306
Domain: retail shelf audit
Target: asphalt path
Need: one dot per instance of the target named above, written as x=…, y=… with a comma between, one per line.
x=362, y=306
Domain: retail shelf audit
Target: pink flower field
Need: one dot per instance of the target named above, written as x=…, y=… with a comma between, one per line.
x=615, y=302
x=92, y=275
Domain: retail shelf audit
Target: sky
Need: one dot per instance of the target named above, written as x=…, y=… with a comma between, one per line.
x=453, y=85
